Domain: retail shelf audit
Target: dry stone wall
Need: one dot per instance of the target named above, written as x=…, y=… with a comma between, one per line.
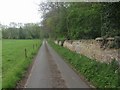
x=91, y=49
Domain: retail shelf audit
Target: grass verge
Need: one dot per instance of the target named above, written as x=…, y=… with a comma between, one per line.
x=14, y=61
x=101, y=75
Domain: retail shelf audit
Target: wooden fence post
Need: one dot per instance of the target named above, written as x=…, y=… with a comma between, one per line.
x=25, y=53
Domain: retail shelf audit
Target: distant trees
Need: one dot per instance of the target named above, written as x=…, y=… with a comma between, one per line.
x=28, y=31
x=80, y=20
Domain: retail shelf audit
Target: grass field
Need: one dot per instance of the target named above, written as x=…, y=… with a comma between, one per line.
x=14, y=62
x=101, y=75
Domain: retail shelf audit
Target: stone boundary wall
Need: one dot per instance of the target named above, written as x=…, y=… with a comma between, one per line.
x=91, y=49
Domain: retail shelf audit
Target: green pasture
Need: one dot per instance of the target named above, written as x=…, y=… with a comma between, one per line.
x=15, y=60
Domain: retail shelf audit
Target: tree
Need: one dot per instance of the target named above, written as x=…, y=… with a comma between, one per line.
x=81, y=20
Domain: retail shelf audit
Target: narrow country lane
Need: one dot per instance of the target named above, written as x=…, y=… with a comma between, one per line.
x=50, y=71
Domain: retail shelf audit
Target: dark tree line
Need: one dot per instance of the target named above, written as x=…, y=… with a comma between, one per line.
x=81, y=20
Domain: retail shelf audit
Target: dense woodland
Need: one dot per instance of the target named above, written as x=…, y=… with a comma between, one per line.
x=71, y=21
x=81, y=20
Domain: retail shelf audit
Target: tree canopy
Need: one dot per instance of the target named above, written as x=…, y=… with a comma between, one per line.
x=81, y=20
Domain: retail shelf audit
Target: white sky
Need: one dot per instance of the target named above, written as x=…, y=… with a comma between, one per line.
x=19, y=11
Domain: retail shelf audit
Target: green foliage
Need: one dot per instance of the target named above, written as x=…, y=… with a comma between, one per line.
x=101, y=75
x=81, y=20
x=14, y=63
x=28, y=31
x=111, y=19
x=0, y=63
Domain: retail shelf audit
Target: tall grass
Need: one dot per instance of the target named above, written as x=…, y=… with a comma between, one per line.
x=14, y=61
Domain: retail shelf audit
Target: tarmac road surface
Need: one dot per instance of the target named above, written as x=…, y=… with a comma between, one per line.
x=50, y=71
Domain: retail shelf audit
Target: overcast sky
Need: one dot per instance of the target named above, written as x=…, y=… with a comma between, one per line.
x=23, y=11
